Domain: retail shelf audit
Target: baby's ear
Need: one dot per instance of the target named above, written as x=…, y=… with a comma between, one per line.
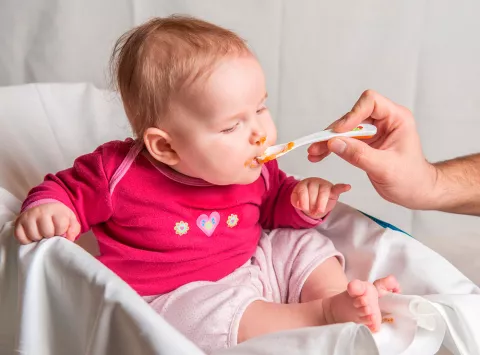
x=158, y=145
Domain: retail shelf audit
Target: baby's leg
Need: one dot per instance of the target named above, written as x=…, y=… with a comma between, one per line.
x=327, y=297
x=312, y=288
x=343, y=301
x=263, y=317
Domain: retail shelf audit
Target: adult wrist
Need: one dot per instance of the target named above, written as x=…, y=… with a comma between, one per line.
x=429, y=193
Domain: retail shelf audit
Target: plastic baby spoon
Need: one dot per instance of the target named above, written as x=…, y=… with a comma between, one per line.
x=363, y=131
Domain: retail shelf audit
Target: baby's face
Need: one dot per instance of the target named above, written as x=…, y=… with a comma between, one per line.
x=222, y=123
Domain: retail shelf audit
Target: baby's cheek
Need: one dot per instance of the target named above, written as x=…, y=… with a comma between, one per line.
x=272, y=136
x=223, y=164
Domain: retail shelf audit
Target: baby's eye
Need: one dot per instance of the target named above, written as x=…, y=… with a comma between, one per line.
x=261, y=109
x=231, y=129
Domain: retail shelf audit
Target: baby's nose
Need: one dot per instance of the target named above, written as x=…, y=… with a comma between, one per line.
x=261, y=140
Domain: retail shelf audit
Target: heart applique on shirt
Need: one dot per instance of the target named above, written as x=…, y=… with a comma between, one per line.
x=208, y=224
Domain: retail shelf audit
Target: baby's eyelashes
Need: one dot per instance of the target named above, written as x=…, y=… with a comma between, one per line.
x=231, y=129
x=261, y=109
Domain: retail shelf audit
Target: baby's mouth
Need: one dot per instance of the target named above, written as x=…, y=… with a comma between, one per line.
x=252, y=163
x=256, y=161
x=274, y=153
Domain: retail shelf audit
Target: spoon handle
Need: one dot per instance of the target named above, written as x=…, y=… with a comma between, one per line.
x=362, y=131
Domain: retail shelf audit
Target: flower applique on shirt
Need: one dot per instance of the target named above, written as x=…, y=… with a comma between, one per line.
x=181, y=228
x=232, y=220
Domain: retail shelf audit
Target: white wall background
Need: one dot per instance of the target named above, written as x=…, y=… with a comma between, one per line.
x=318, y=57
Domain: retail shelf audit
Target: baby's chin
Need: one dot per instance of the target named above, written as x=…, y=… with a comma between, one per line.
x=245, y=177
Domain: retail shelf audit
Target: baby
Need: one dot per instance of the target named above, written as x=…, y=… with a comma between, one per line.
x=179, y=212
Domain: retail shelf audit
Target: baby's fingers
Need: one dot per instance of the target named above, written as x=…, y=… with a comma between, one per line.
x=45, y=227
x=61, y=224
x=31, y=230
x=322, y=199
x=74, y=228
x=66, y=226
x=339, y=189
x=334, y=195
x=21, y=235
x=300, y=198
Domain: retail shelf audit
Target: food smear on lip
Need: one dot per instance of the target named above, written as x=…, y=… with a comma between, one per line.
x=264, y=159
x=251, y=163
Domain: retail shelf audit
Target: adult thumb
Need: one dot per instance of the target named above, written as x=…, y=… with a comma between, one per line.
x=358, y=153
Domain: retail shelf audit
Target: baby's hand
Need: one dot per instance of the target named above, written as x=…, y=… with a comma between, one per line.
x=45, y=221
x=316, y=197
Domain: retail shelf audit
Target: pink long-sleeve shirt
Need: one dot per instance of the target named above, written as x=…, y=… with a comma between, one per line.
x=158, y=229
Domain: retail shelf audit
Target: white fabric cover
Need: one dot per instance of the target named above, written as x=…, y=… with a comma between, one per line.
x=318, y=57
x=60, y=300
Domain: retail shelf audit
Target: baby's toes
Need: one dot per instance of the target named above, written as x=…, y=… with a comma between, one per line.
x=376, y=320
x=372, y=322
x=365, y=311
x=375, y=325
x=387, y=285
x=367, y=320
x=360, y=302
x=356, y=288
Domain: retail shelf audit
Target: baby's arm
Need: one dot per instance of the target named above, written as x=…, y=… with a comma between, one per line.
x=290, y=203
x=277, y=210
x=67, y=203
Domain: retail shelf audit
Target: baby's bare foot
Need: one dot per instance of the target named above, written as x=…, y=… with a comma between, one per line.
x=358, y=304
x=387, y=285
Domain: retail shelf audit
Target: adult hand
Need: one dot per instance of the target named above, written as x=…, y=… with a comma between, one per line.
x=393, y=158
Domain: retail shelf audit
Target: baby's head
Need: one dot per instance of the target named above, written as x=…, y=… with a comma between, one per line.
x=196, y=95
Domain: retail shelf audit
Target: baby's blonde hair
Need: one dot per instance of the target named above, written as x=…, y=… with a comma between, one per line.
x=154, y=61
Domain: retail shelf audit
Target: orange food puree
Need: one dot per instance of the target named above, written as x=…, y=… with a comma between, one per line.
x=262, y=141
x=248, y=163
x=287, y=148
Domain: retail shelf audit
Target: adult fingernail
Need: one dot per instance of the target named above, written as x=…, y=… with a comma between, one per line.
x=337, y=146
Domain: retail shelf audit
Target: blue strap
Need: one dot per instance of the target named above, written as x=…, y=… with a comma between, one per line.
x=385, y=224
